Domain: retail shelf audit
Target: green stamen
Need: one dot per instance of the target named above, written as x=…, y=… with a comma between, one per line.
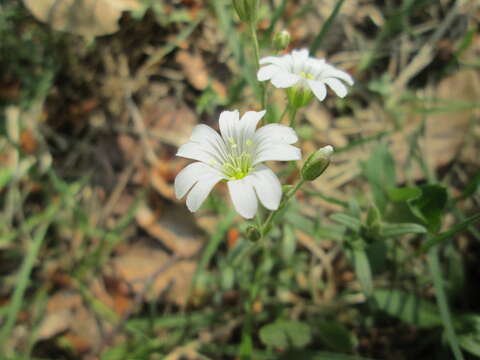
x=237, y=167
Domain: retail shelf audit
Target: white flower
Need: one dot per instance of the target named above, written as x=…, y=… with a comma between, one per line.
x=236, y=157
x=297, y=68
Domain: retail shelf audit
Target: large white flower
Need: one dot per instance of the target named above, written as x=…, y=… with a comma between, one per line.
x=236, y=157
x=298, y=69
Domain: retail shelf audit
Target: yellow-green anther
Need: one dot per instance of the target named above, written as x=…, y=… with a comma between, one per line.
x=317, y=163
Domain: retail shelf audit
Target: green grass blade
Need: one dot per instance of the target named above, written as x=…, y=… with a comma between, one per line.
x=437, y=239
x=435, y=270
x=22, y=283
x=317, y=42
x=216, y=239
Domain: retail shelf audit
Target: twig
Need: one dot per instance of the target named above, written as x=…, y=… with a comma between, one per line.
x=141, y=128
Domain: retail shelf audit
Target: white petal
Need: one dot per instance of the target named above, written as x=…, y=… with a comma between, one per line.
x=194, y=151
x=200, y=191
x=209, y=140
x=267, y=72
x=190, y=175
x=276, y=133
x=301, y=54
x=228, y=123
x=299, y=60
x=202, y=131
x=319, y=89
x=285, y=79
x=276, y=60
x=337, y=86
x=267, y=186
x=279, y=152
x=249, y=122
x=243, y=197
x=339, y=74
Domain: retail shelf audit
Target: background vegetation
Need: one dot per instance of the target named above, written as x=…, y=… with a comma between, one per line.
x=377, y=259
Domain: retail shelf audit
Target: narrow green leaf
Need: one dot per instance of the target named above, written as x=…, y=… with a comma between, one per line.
x=216, y=239
x=437, y=239
x=471, y=188
x=407, y=307
x=363, y=270
x=379, y=170
x=320, y=355
x=436, y=272
x=347, y=220
x=317, y=42
x=392, y=230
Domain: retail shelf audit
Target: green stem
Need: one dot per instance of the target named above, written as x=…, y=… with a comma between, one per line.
x=293, y=114
x=256, y=47
x=267, y=225
x=283, y=113
x=256, y=51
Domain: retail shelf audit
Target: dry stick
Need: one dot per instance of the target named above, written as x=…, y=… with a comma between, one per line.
x=124, y=178
x=425, y=56
x=141, y=128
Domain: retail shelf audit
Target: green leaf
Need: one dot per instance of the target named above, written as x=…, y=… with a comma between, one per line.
x=336, y=336
x=393, y=230
x=348, y=221
x=285, y=334
x=379, y=170
x=430, y=205
x=363, y=270
x=408, y=308
x=404, y=194
x=437, y=239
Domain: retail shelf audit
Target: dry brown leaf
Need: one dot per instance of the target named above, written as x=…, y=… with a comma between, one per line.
x=445, y=132
x=168, y=120
x=66, y=312
x=162, y=175
x=194, y=68
x=143, y=265
x=175, y=228
x=88, y=18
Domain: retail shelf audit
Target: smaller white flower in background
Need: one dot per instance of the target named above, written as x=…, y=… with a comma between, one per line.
x=236, y=156
x=299, y=69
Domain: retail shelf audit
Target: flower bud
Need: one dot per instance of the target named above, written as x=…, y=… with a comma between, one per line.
x=246, y=10
x=281, y=40
x=317, y=163
x=253, y=234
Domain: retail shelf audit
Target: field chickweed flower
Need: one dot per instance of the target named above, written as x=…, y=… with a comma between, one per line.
x=302, y=73
x=236, y=157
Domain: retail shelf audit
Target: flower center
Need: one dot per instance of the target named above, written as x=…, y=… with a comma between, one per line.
x=306, y=75
x=239, y=160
